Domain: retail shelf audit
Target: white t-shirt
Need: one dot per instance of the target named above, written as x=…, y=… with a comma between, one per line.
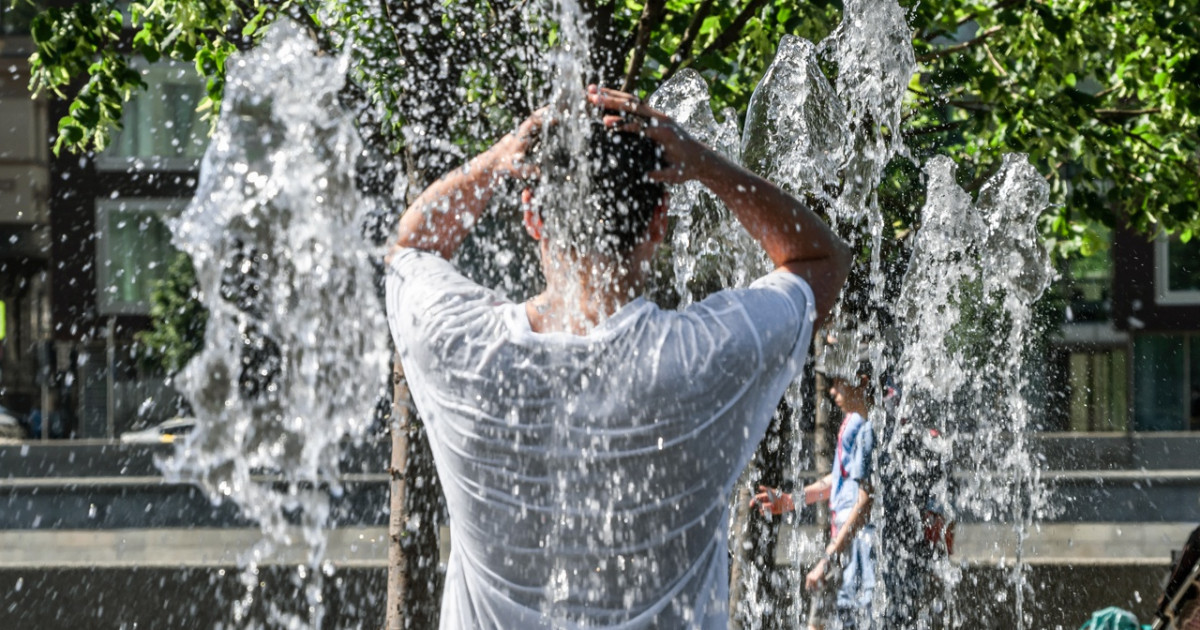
x=587, y=477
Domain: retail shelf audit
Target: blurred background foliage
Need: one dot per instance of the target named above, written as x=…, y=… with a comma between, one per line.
x=1100, y=94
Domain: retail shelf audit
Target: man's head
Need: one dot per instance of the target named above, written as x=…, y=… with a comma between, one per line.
x=595, y=198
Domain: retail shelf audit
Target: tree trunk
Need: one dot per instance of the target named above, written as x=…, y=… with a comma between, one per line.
x=397, y=572
x=824, y=435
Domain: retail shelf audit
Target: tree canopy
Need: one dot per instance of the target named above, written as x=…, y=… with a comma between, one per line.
x=1097, y=93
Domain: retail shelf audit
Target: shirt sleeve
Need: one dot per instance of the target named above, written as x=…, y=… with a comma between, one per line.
x=795, y=309
x=859, y=467
x=425, y=295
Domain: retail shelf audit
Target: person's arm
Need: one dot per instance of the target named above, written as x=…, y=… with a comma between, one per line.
x=793, y=236
x=772, y=501
x=818, y=490
x=440, y=218
x=856, y=520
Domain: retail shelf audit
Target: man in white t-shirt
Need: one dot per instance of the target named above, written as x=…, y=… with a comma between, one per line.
x=586, y=440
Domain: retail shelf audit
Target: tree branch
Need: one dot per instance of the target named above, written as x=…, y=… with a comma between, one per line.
x=609, y=48
x=651, y=17
x=961, y=46
x=1144, y=141
x=995, y=64
x=731, y=34
x=1000, y=6
x=390, y=21
x=689, y=37
x=974, y=106
x=1126, y=113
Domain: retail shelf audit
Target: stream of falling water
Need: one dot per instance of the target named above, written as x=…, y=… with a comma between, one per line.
x=296, y=354
x=952, y=342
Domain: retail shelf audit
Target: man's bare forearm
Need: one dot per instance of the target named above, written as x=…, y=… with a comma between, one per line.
x=787, y=229
x=443, y=214
x=792, y=235
x=440, y=218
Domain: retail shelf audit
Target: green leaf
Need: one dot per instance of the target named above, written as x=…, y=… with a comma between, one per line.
x=70, y=132
x=43, y=26
x=252, y=26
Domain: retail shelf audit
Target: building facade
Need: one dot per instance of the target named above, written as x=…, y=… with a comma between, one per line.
x=85, y=240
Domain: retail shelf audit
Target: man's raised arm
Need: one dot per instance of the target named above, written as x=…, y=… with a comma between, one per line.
x=793, y=236
x=442, y=215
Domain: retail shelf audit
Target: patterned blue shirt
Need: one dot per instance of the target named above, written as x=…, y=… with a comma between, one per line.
x=851, y=464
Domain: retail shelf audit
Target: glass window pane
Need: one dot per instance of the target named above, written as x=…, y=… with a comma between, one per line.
x=139, y=248
x=1119, y=385
x=1194, y=390
x=1102, y=386
x=161, y=123
x=1098, y=385
x=1183, y=265
x=1080, y=392
x=137, y=243
x=1158, y=383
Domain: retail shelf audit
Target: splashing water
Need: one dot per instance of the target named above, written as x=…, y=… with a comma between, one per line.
x=977, y=267
x=973, y=264
x=296, y=352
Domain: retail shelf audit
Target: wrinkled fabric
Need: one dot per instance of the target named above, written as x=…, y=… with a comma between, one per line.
x=587, y=478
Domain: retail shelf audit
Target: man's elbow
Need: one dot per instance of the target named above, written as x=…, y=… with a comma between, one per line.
x=413, y=234
x=841, y=258
x=835, y=270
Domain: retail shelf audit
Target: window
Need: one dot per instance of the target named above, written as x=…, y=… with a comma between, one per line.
x=1167, y=382
x=1177, y=270
x=161, y=128
x=1098, y=386
x=1086, y=380
x=16, y=17
x=134, y=251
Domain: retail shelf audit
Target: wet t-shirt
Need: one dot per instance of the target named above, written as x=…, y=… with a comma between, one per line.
x=587, y=477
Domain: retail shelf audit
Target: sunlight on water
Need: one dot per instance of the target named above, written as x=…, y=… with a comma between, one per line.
x=297, y=355
x=296, y=351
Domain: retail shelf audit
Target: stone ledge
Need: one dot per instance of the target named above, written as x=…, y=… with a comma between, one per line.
x=1047, y=543
x=350, y=547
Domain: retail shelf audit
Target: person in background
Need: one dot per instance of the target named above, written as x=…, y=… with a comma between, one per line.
x=849, y=491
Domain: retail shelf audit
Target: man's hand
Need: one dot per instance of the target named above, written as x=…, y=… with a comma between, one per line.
x=440, y=217
x=684, y=155
x=794, y=237
x=815, y=577
x=772, y=501
x=507, y=156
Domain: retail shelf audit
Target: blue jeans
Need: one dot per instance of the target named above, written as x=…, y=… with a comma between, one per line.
x=858, y=581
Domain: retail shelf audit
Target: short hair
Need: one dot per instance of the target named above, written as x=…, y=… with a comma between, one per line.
x=602, y=204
